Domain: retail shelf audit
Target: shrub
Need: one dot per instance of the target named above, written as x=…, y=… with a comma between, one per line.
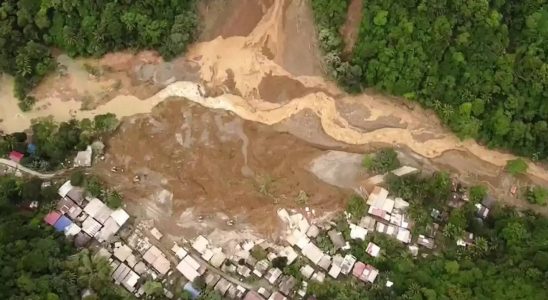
x=516, y=166
x=383, y=161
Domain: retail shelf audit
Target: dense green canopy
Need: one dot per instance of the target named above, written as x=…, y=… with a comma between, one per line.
x=481, y=65
x=37, y=263
x=28, y=28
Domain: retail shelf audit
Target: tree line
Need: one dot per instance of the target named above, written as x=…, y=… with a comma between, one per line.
x=50, y=145
x=481, y=65
x=30, y=28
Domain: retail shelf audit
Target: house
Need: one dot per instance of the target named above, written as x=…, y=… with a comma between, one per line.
x=94, y=207
x=336, y=238
x=272, y=275
x=378, y=194
x=122, y=251
x=482, y=211
x=179, y=251
x=120, y=216
x=414, y=250
x=289, y=253
x=381, y=227
x=313, y=253
x=252, y=295
x=325, y=262
x=369, y=274
x=110, y=228
x=313, y=231
x=62, y=223
x=404, y=235
x=211, y=279
x=64, y=189
x=130, y=281
x=466, y=240
x=222, y=286
x=103, y=214
x=319, y=277
x=52, y=217
x=156, y=233
x=83, y=158
x=157, y=259
x=287, y=285
x=72, y=230
x=125, y=276
x=357, y=232
x=334, y=271
x=91, y=226
x=378, y=212
x=277, y=296
x=264, y=292
x=76, y=194
x=302, y=242
x=16, y=156
x=244, y=271
x=307, y=271
x=200, y=244
x=405, y=170
x=261, y=267
x=218, y=259
x=347, y=264
x=69, y=208
x=188, y=267
x=194, y=293
x=373, y=250
x=358, y=269
x=81, y=240
x=400, y=204
x=302, y=291
x=426, y=242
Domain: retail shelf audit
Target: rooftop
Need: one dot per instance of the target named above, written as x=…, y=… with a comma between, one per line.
x=62, y=223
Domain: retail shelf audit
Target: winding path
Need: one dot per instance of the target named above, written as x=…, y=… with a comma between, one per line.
x=17, y=166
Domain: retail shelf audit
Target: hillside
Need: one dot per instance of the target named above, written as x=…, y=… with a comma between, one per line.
x=480, y=65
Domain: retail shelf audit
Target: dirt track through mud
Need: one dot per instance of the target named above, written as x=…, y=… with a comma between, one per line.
x=234, y=73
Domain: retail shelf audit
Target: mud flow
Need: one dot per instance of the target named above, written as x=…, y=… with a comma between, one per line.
x=226, y=133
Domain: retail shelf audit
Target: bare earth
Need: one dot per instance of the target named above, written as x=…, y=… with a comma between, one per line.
x=262, y=112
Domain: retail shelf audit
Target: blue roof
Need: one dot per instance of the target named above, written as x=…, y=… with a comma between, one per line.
x=31, y=148
x=62, y=223
x=193, y=291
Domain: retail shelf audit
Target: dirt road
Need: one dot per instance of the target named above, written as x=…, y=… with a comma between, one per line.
x=16, y=166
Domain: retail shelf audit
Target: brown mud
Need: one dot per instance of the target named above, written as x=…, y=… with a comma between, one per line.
x=282, y=112
x=214, y=162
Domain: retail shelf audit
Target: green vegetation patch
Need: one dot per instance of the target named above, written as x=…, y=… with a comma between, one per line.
x=29, y=28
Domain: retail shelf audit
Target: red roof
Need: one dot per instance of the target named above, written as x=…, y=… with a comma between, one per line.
x=16, y=156
x=52, y=217
x=358, y=269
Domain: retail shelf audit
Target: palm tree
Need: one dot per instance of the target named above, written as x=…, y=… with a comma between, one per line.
x=92, y=272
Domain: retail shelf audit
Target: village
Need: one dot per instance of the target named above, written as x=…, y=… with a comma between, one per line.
x=255, y=269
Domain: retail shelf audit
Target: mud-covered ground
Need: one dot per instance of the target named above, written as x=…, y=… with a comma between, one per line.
x=253, y=109
x=215, y=163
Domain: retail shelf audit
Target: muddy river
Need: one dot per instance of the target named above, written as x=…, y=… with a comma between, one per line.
x=261, y=77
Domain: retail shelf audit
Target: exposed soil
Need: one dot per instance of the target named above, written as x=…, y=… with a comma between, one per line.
x=228, y=18
x=351, y=27
x=282, y=89
x=300, y=54
x=214, y=163
x=206, y=160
